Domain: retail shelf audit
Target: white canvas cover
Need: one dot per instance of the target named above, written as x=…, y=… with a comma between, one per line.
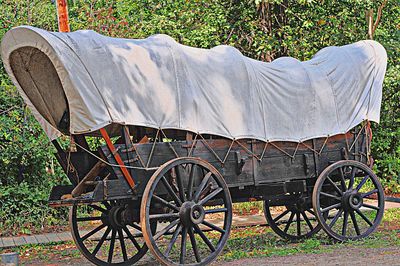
x=157, y=82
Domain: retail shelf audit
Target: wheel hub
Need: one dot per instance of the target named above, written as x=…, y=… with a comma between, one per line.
x=300, y=205
x=352, y=200
x=115, y=217
x=191, y=213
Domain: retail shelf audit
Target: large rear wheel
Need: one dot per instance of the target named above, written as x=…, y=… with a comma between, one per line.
x=185, y=196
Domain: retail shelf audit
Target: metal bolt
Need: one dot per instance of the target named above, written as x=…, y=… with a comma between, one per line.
x=196, y=214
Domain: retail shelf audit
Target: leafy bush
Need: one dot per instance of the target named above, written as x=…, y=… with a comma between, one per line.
x=25, y=208
x=262, y=30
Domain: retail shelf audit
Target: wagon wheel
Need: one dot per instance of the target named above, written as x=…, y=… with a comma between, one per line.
x=182, y=196
x=294, y=221
x=343, y=191
x=106, y=233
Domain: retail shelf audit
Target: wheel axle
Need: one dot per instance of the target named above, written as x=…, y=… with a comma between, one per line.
x=352, y=200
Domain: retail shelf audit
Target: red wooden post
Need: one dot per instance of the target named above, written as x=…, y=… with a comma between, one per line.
x=62, y=15
x=121, y=164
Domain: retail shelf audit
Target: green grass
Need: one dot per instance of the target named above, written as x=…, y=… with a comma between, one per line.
x=259, y=246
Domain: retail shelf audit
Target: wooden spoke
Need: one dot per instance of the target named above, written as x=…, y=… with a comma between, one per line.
x=204, y=237
x=342, y=179
x=298, y=221
x=337, y=205
x=137, y=227
x=336, y=217
x=334, y=185
x=183, y=246
x=289, y=222
x=173, y=240
x=311, y=211
x=166, y=229
x=364, y=217
x=216, y=210
x=179, y=181
x=307, y=220
x=369, y=193
x=345, y=221
x=171, y=192
x=111, y=250
x=365, y=179
x=122, y=244
x=331, y=196
x=202, y=185
x=214, y=227
x=191, y=182
x=355, y=224
x=370, y=206
x=210, y=196
x=107, y=204
x=84, y=219
x=101, y=241
x=132, y=238
x=98, y=208
x=276, y=219
x=352, y=177
x=194, y=245
x=94, y=231
x=163, y=216
x=166, y=203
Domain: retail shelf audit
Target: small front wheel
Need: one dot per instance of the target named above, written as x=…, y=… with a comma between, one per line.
x=348, y=200
x=105, y=234
x=184, y=196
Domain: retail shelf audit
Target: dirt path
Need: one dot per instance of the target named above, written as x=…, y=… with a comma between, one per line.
x=348, y=256
x=345, y=256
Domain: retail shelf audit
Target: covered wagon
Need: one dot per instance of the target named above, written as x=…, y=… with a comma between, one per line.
x=165, y=137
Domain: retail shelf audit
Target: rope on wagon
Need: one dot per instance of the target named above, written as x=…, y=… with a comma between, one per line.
x=259, y=158
x=115, y=165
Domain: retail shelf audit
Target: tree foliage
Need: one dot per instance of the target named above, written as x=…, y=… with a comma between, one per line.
x=261, y=29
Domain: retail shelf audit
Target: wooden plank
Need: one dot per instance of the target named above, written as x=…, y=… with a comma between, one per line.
x=80, y=188
x=282, y=161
